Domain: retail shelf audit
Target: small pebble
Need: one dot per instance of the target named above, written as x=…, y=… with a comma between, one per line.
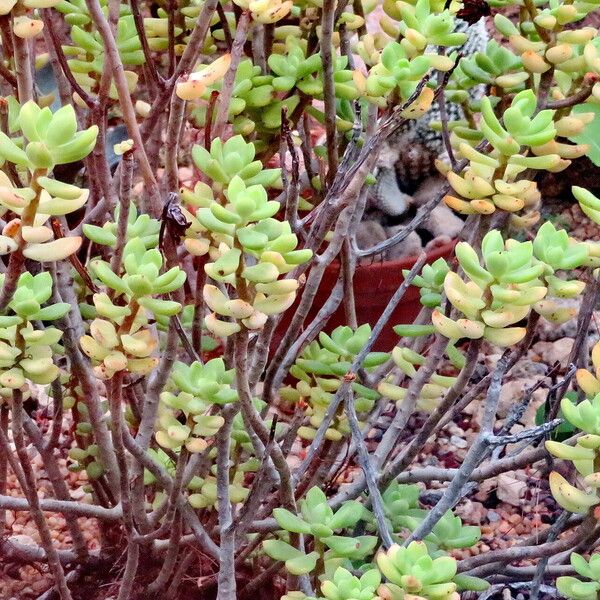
x=493, y=516
x=458, y=442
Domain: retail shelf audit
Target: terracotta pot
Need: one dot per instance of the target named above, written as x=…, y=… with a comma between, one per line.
x=374, y=285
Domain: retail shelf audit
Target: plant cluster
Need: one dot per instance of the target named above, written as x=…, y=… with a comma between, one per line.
x=166, y=302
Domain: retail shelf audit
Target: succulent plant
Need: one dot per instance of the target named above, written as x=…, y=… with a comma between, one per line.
x=253, y=77
x=249, y=250
x=120, y=339
x=401, y=504
x=230, y=159
x=411, y=570
x=586, y=417
x=318, y=520
x=320, y=369
x=497, y=66
x=266, y=11
x=517, y=277
x=590, y=382
x=406, y=359
x=575, y=589
x=197, y=388
x=431, y=282
x=27, y=351
x=345, y=586
x=196, y=83
x=296, y=70
x=139, y=226
x=254, y=103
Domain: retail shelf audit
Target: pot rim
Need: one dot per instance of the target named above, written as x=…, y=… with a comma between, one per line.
x=400, y=263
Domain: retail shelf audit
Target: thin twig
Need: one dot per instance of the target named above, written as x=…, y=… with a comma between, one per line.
x=356, y=364
x=367, y=467
x=474, y=456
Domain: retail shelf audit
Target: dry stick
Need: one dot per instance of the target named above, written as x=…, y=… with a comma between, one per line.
x=210, y=111
x=291, y=186
x=126, y=104
x=398, y=424
x=237, y=50
x=30, y=492
x=226, y=580
x=174, y=125
x=8, y=75
x=118, y=425
x=156, y=384
x=99, y=174
x=50, y=27
x=327, y=21
x=164, y=479
x=224, y=25
x=415, y=446
x=3, y=465
x=526, y=573
x=422, y=213
x=356, y=364
x=65, y=91
x=57, y=480
x=304, y=484
x=481, y=385
x=368, y=469
x=444, y=114
x=57, y=415
x=422, y=376
x=417, y=344
x=349, y=198
x=474, y=456
x=22, y=60
x=182, y=569
x=258, y=49
x=463, y=402
x=488, y=562
x=427, y=474
x=13, y=462
x=582, y=95
x=311, y=330
x=348, y=267
x=72, y=326
x=487, y=471
x=586, y=310
x=255, y=424
x=186, y=62
x=69, y=508
x=170, y=560
x=25, y=553
x=351, y=174
x=541, y=568
x=198, y=317
x=151, y=69
x=254, y=586
x=261, y=484
x=124, y=206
